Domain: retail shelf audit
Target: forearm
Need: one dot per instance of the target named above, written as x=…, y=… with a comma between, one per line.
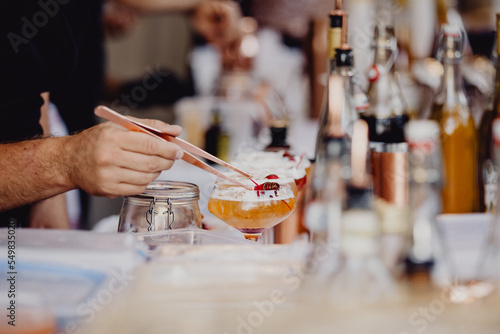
x=105, y=160
x=50, y=213
x=33, y=170
x=162, y=5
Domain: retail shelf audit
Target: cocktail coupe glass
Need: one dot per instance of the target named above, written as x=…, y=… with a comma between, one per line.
x=290, y=168
x=252, y=211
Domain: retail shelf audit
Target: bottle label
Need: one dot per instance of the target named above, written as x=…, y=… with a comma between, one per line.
x=394, y=219
x=426, y=147
x=360, y=230
x=334, y=41
x=361, y=102
x=316, y=216
x=490, y=177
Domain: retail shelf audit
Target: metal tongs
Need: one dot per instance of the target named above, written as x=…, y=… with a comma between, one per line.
x=188, y=148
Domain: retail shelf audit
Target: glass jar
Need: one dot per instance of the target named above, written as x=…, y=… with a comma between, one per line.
x=165, y=205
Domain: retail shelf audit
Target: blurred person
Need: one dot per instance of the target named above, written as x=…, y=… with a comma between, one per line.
x=256, y=38
x=479, y=22
x=214, y=22
x=220, y=30
x=56, y=46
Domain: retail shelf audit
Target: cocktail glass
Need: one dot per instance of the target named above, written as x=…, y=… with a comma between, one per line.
x=252, y=211
x=289, y=167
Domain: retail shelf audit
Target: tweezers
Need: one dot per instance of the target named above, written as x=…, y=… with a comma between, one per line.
x=132, y=125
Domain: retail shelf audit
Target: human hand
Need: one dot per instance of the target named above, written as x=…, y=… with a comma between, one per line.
x=107, y=160
x=118, y=18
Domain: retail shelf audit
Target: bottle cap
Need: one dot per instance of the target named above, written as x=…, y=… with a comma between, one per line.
x=422, y=130
x=451, y=30
x=344, y=57
x=336, y=19
x=450, y=44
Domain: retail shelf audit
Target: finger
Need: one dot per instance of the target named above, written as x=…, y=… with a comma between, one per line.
x=142, y=162
x=125, y=189
x=148, y=145
x=121, y=175
x=174, y=130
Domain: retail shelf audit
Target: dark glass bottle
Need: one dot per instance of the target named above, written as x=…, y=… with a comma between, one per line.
x=334, y=42
x=485, y=171
x=278, y=137
x=216, y=138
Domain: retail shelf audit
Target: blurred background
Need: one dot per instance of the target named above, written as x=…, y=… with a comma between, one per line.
x=273, y=53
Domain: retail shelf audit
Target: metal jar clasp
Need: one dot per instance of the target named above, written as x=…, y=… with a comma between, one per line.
x=160, y=217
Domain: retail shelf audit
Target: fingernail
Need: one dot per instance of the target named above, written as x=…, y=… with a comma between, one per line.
x=175, y=128
x=179, y=154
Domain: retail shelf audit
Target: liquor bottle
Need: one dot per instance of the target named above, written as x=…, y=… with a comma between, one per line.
x=279, y=123
x=334, y=42
x=278, y=137
x=336, y=138
x=343, y=93
x=489, y=267
x=386, y=117
x=277, y=116
x=335, y=33
x=458, y=133
x=216, y=138
x=360, y=275
x=487, y=186
x=425, y=196
x=323, y=204
x=325, y=193
x=442, y=7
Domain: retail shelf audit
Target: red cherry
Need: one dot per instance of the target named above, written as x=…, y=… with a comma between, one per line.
x=272, y=177
x=289, y=156
x=300, y=183
x=271, y=186
x=267, y=186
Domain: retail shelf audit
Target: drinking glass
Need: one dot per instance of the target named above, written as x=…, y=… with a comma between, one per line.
x=252, y=211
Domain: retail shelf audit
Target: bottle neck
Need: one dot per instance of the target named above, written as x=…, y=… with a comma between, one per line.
x=452, y=83
x=383, y=56
x=334, y=42
x=278, y=138
x=344, y=71
x=498, y=35
x=426, y=162
x=496, y=95
x=386, y=99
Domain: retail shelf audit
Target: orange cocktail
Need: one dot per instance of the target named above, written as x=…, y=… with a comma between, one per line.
x=252, y=211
